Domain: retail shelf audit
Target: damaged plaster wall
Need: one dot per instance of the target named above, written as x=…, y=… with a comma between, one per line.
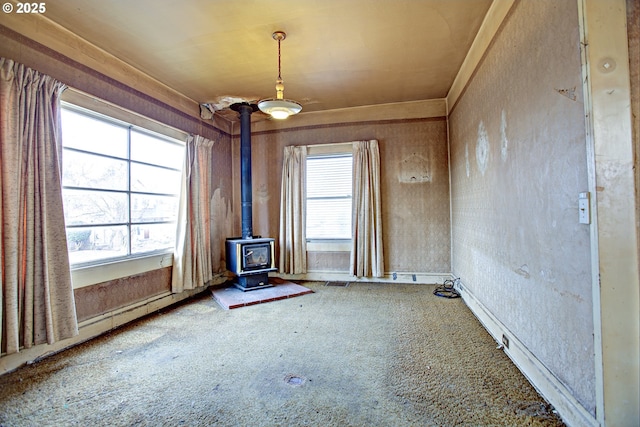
x=222, y=219
x=221, y=228
x=518, y=163
x=415, y=189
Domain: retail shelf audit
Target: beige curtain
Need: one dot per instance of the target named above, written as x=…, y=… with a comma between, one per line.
x=366, y=251
x=293, y=240
x=36, y=304
x=192, y=263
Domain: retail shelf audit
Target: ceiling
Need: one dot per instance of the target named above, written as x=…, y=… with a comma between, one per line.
x=337, y=54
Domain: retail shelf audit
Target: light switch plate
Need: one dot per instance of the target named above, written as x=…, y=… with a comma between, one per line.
x=584, y=208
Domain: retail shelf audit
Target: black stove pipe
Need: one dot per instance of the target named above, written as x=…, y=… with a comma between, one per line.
x=245, y=110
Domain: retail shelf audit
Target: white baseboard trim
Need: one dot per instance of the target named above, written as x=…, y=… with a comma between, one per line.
x=543, y=380
x=389, y=277
x=94, y=327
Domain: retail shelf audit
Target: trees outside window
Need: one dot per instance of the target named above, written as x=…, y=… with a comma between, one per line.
x=120, y=187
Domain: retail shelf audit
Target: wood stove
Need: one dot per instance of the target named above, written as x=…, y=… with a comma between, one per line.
x=249, y=257
x=251, y=260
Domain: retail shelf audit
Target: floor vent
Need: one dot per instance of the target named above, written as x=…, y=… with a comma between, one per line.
x=338, y=284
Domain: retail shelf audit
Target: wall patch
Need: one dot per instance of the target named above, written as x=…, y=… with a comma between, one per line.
x=523, y=271
x=504, y=142
x=263, y=194
x=482, y=148
x=466, y=159
x=414, y=169
x=569, y=93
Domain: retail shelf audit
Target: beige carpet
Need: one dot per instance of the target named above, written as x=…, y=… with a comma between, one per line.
x=362, y=355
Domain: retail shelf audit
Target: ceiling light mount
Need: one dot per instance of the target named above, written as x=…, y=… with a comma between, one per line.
x=279, y=107
x=279, y=36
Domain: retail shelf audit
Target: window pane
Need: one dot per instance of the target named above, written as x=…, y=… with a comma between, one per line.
x=329, y=184
x=92, y=134
x=96, y=243
x=152, y=179
x=149, y=149
x=94, y=207
x=329, y=176
x=91, y=171
x=145, y=208
x=329, y=219
x=152, y=237
x=107, y=166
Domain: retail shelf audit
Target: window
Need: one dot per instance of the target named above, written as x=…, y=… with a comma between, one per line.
x=121, y=187
x=329, y=196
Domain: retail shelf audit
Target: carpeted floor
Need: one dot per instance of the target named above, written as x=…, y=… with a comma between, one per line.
x=363, y=355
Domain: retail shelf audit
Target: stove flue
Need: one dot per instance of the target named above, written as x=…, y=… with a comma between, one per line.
x=250, y=257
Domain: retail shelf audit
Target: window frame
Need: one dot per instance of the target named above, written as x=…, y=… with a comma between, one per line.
x=329, y=244
x=98, y=271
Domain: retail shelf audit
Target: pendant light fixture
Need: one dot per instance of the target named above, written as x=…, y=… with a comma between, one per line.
x=278, y=107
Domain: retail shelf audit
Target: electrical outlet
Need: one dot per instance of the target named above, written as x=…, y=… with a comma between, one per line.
x=413, y=276
x=395, y=276
x=505, y=341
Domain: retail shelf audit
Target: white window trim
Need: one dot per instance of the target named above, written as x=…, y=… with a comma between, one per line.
x=99, y=273
x=335, y=148
x=87, y=275
x=329, y=245
x=343, y=245
x=89, y=102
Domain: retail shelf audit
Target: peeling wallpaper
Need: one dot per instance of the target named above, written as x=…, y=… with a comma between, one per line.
x=518, y=163
x=222, y=219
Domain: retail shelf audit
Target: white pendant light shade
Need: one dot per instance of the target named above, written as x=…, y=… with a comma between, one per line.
x=278, y=107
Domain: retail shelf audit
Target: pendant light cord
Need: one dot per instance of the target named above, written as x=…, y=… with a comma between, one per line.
x=279, y=73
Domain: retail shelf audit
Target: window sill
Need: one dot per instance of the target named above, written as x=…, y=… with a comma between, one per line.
x=91, y=275
x=329, y=246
